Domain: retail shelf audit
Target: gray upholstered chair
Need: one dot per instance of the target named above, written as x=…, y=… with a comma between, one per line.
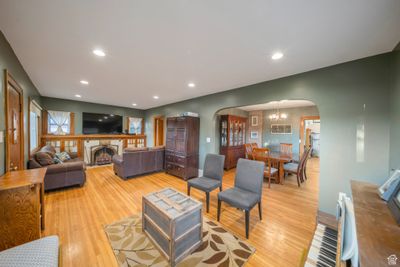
x=247, y=190
x=212, y=176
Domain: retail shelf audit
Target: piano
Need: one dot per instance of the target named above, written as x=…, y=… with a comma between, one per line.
x=363, y=234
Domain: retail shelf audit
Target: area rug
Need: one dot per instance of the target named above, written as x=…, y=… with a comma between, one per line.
x=219, y=248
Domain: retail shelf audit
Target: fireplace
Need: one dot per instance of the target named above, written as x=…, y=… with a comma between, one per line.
x=102, y=154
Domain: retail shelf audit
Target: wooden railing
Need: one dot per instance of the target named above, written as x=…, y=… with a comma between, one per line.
x=74, y=143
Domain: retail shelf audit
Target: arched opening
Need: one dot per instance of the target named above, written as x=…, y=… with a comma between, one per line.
x=290, y=126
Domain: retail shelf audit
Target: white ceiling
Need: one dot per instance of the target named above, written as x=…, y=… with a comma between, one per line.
x=279, y=104
x=157, y=47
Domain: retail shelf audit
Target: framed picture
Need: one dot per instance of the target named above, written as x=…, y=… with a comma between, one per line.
x=253, y=135
x=254, y=120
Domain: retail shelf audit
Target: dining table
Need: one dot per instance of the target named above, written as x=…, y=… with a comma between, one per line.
x=282, y=158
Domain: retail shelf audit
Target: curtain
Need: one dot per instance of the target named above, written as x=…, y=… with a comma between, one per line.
x=61, y=119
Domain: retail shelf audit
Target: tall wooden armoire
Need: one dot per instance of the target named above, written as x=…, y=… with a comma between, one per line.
x=232, y=139
x=182, y=147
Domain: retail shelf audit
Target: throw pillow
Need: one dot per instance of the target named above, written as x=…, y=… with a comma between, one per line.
x=63, y=156
x=44, y=158
x=57, y=160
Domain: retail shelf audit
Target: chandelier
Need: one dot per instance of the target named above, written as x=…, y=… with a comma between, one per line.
x=277, y=115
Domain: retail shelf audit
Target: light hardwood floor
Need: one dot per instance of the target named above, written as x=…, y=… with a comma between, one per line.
x=77, y=215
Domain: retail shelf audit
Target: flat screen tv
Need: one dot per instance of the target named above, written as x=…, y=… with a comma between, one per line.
x=94, y=123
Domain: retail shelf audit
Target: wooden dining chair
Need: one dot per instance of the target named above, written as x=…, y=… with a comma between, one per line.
x=297, y=168
x=270, y=171
x=305, y=164
x=286, y=148
x=254, y=145
x=248, y=151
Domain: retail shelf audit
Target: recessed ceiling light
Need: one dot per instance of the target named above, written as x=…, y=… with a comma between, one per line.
x=277, y=55
x=191, y=85
x=100, y=120
x=156, y=97
x=134, y=104
x=111, y=115
x=79, y=96
x=84, y=82
x=99, y=52
x=105, y=117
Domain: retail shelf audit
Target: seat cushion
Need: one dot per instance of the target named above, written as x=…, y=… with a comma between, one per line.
x=205, y=184
x=273, y=171
x=41, y=253
x=291, y=167
x=239, y=198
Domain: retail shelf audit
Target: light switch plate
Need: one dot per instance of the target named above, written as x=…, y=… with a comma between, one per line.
x=1, y=137
x=208, y=139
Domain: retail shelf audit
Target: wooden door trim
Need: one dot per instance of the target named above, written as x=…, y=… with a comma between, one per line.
x=8, y=79
x=155, y=137
x=302, y=119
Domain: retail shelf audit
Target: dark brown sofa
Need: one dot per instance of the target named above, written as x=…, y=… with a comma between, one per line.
x=68, y=173
x=137, y=161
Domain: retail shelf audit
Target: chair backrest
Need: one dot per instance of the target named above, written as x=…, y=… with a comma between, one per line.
x=303, y=159
x=286, y=148
x=254, y=145
x=214, y=166
x=248, y=151
x=261, y=154
x=250, y=175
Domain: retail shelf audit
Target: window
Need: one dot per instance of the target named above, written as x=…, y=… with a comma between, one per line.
x=59, y=122
x=135, y=125
x=34, y=125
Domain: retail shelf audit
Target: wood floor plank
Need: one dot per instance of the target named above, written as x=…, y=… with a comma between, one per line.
x=77, y=215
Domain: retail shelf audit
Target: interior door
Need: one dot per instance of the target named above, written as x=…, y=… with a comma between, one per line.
x=14, y=125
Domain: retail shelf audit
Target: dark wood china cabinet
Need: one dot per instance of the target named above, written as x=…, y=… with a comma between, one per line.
x=232, y=139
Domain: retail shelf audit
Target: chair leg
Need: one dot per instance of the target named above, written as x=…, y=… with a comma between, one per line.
x=219, y=210
x=305, y=171
x=247, y=214
x=208, y=201
x=298, y=179
x=188, y=190
x=260, y=210
x=220, y=188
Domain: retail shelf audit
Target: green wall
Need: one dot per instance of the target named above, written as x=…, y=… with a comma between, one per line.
x=340, y=93
x=9, y=61
x=294, y=116
x=395, y=113
x=78, y=107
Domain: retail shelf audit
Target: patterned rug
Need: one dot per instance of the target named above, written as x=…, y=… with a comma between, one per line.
x=219, y=248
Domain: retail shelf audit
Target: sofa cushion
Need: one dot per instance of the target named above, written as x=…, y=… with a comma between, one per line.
x=63, y=156
x=135, y=149
x=66, y=167
x=49, y=149
x=44, y=158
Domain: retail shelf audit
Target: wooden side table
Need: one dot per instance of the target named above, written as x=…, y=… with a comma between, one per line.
x=21, y=207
